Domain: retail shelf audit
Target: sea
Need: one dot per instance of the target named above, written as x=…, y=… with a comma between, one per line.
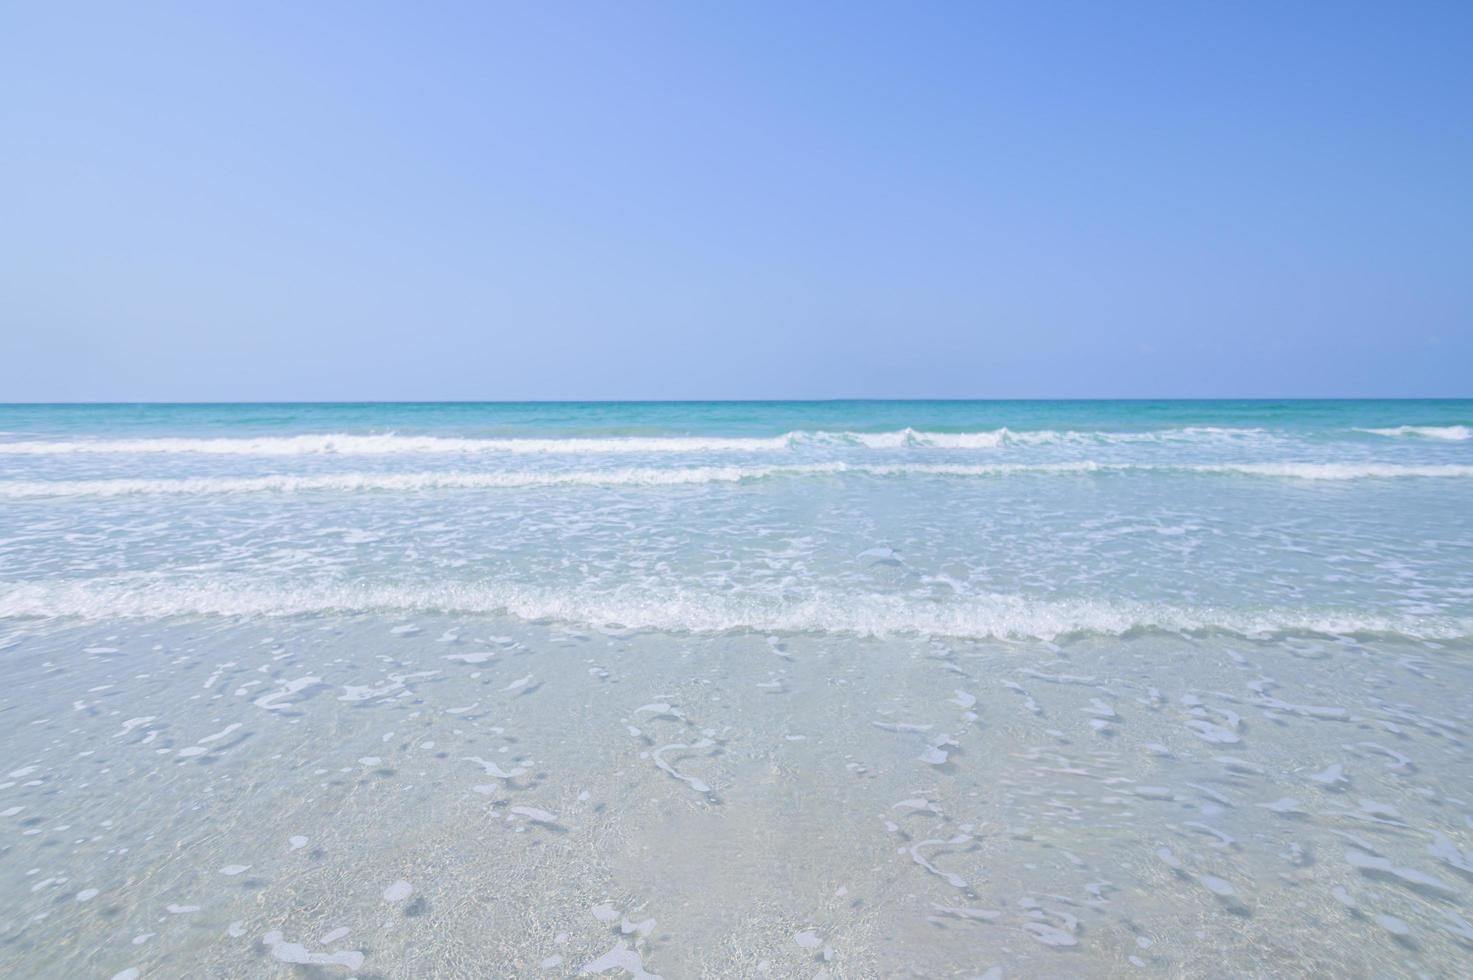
x=737, y=689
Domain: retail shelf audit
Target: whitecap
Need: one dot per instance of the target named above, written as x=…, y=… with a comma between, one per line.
x=1454, y=433
x=692, y=611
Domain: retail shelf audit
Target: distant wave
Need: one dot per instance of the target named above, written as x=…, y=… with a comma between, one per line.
x=389, y=444
x=1455, y=433
x=404, y=482
x=998, y=616
x=342, y=444
x=656, y=477
x=1326, y=471
x=386, y=444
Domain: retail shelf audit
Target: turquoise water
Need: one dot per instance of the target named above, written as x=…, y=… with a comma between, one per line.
x=853, y=688
x=721, y=418
x=1004, y=519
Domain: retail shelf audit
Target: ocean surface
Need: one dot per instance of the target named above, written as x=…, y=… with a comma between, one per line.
x=834, y=689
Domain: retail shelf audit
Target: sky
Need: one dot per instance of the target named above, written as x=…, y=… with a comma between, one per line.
x=607, y=200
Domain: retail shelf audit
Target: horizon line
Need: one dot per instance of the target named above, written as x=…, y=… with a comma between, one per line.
x=723, y=401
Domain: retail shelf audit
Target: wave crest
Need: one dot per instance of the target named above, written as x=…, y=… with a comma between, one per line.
x=383, y=444
x=1455, y=433
x=686, y=476
x=880, y=615
x=342, y=444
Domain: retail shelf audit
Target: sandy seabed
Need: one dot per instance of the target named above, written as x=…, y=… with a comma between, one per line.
x=450, y=796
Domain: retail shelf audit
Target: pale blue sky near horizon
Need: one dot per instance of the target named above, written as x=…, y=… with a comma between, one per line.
x=374, y=201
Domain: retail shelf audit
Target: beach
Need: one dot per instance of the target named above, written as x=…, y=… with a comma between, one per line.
x=839, y=689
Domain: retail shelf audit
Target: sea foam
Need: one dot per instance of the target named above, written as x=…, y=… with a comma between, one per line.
x=1454, y=433
x=657, y=477
x=389, y=443
x=691, y=611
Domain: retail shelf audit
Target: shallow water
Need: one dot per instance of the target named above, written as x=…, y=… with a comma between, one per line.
x=1201, y=713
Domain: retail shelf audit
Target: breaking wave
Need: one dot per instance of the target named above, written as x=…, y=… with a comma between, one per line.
x=1455, y=433
x=343, y=444
x=686, y=476
x=683, y=611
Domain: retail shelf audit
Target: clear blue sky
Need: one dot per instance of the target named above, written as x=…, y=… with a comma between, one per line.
x=261, y=201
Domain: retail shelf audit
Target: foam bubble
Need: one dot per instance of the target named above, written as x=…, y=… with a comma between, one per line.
x=621, y=957
x=298, y=954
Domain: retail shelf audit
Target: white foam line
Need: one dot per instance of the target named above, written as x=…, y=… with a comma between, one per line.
x=1329, y=471
x=401, y=482
x=1454, y=433
x=685, y=611
x=344, y=444
x=386, y=444
x=630, y=476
